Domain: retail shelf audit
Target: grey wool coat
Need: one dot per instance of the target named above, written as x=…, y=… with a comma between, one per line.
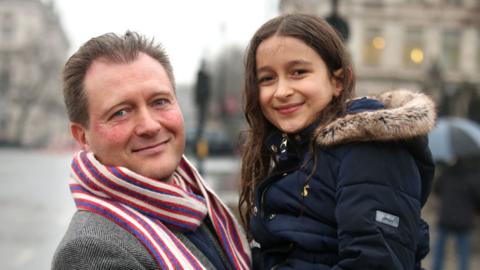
x=94, y=242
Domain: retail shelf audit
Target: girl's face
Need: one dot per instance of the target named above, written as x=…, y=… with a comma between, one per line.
x=294, y=83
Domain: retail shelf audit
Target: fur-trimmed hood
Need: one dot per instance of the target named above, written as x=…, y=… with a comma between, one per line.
x=406, y=114
x=349, y=185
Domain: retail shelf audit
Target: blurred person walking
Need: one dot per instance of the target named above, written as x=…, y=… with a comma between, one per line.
x=458, y=191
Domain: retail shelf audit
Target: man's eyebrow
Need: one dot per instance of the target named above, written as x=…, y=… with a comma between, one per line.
x=108, y=110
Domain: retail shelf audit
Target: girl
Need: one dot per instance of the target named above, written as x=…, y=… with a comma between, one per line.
x=329, y=182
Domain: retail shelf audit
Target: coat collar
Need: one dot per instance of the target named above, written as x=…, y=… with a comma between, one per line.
x=406, y=114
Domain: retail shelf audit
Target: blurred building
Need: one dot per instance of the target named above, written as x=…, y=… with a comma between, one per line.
x=432, y=45
x=187, y=105
x=33, y=49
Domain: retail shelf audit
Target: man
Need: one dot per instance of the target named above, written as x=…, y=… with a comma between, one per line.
x=141, y=204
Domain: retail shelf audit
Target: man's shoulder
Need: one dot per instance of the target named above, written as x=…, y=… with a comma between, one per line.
x=85, y=224
x=88, y=224
x=94, y=236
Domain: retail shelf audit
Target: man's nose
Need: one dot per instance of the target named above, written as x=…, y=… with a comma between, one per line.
x=146, y=124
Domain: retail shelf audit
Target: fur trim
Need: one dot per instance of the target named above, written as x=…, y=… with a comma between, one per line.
x=406, y=115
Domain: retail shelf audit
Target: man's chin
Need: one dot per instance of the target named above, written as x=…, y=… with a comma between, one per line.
x=160, y=167
x=161, y=172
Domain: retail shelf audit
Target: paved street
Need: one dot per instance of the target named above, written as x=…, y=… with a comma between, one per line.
x=36, y=207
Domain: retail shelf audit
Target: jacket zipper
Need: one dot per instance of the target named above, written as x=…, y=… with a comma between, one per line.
x=283, y=149
x=283, y=144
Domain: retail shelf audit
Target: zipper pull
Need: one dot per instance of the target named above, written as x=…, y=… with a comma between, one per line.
x=305, y=190
x=283, y=145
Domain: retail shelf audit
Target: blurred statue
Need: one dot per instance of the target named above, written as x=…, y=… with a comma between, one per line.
x=202, y=96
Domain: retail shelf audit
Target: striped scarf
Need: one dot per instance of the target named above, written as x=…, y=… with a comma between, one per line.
x=147, y=208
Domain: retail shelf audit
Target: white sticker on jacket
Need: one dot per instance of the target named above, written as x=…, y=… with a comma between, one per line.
x=254, y=244
x=387, y=219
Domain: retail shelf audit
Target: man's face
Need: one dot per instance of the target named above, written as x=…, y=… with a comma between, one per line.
x=135, y=121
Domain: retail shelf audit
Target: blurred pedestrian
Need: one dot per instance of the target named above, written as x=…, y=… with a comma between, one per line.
x=140, y=202
x=202, y=97
x=329, y=182
x=458, y=191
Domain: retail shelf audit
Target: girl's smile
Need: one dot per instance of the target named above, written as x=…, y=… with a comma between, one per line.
x=289, y=108
x=294, y=83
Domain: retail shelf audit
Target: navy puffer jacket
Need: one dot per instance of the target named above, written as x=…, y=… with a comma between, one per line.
x=355, y=202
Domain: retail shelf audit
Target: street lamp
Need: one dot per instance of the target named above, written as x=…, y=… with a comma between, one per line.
x=338, y=22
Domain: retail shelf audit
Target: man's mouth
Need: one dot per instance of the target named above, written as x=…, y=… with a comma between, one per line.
x=151, y=148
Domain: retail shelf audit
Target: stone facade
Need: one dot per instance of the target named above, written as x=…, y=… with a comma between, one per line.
x=420, y=44
x=33, y=49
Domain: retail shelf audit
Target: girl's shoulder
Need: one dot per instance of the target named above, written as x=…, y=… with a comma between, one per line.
x=404, y=115
x=367, y=150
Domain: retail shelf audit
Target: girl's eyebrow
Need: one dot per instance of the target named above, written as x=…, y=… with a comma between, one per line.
x=289, y=64
x=298, y=62
x=264, y=68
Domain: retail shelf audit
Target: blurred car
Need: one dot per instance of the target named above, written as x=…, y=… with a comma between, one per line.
x=219, y=143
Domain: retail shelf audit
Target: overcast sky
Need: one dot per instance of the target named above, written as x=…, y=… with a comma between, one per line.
x=188, y=29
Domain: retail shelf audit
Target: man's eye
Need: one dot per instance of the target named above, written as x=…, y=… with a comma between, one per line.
x=160, y=102
x=120, y=113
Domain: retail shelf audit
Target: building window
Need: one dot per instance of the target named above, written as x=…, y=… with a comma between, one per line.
x=3, y=123
x=451, y=49
x=478, y=50
x=455, y=3
x=374, y=44
x=6, y=25
x=5, y=74
x=373, y=3
x=4, y=81
x=4, y=88
x=417, y=1
x=414, y=49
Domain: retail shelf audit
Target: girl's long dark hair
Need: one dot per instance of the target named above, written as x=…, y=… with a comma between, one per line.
x=320, y=36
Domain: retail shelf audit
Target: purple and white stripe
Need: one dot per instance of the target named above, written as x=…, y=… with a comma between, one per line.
x=145, y=207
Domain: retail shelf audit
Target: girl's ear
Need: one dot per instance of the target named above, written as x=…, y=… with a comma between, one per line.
x=337, y=82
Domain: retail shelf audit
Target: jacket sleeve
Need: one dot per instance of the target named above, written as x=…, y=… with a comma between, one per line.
x=92, y=253
x=378, y=208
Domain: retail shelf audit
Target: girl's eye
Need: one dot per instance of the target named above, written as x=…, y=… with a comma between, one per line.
x=299, y=72
x=265, y=79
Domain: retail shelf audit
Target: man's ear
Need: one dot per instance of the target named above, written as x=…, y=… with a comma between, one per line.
x=79, y=133
x=337, y=81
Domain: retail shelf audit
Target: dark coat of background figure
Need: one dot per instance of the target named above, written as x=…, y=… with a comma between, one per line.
x=458, y=191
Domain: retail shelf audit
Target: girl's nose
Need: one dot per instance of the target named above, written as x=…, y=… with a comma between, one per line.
x=283, y=89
